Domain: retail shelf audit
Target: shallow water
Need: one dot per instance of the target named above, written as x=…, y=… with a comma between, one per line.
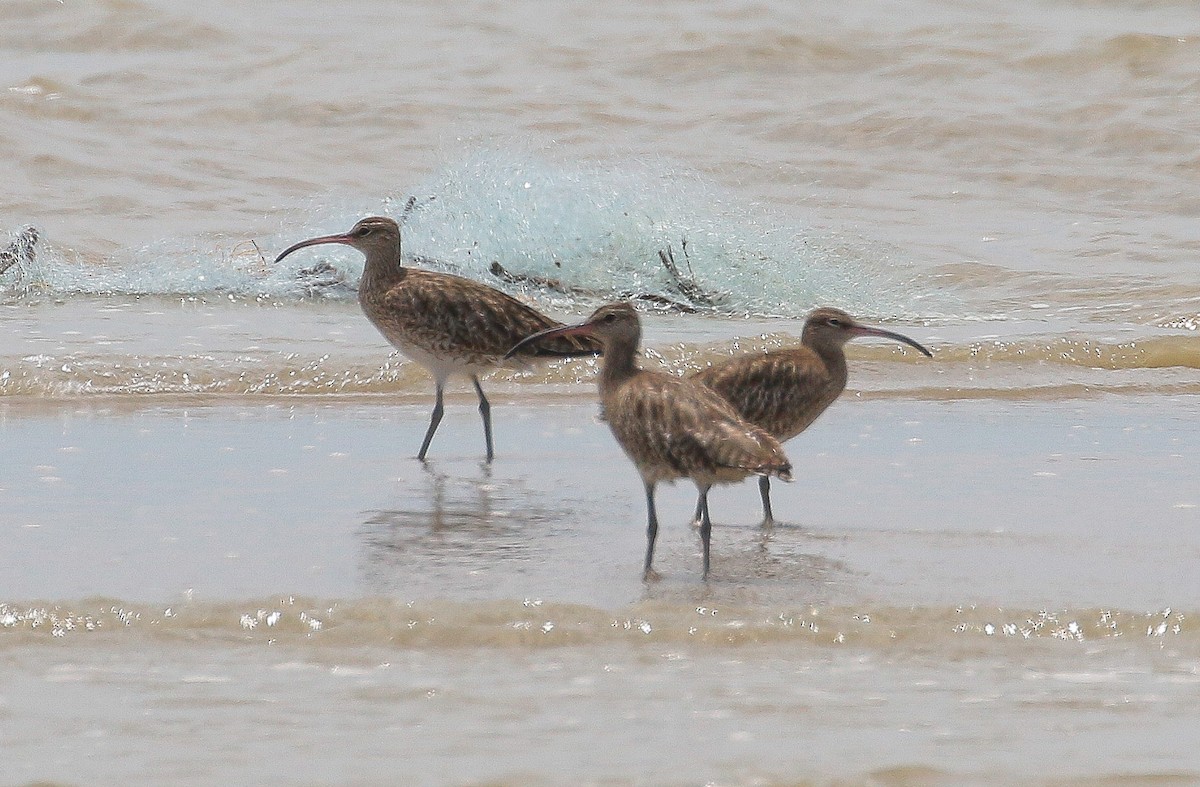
x=222, y=563
x=954, y=577
x=934, y=162
x=899, y=500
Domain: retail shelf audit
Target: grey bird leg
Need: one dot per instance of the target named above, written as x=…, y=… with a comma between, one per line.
x=696, y=517
x=705, y=525
x=764, y=489
x=485, y=410
x=434, y=420
x=649, y=574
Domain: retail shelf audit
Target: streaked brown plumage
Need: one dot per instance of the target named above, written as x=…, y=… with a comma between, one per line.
x=784, y=391
x=445, y=323
x=670, y=427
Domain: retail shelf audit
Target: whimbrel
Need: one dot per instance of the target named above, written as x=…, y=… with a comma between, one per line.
x=784, y=391
x=670, y=427
x=446, y=323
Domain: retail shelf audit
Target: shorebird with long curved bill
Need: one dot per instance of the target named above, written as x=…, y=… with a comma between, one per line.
x=784, y=391
x=448, y=324
x=668, y=426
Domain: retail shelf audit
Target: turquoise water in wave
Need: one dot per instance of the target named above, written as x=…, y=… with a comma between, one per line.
x=568, y=232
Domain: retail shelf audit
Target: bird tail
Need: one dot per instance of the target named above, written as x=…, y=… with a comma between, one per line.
x=781, y=470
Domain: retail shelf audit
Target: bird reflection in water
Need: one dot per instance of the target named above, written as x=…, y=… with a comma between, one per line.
x=453, y=524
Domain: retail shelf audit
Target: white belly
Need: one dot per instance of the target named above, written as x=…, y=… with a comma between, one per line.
x=441, y=367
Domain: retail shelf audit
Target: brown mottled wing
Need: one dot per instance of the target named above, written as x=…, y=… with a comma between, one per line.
x=672, y=428
x=437, y=309
x=782, y=392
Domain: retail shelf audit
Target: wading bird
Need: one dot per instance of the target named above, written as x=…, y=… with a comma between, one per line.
x=784, y=391
x=669, y=427
x=446, y=323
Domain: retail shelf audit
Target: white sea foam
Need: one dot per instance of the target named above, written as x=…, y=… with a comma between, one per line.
x=570, y=232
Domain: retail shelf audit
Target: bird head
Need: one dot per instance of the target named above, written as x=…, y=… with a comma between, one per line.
x=612, y=324
x=829, y=327
x=377, y=237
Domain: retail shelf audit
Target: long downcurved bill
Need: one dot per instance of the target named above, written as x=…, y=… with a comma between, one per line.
x=863, y=330
x=342, y=239
x=582, y=329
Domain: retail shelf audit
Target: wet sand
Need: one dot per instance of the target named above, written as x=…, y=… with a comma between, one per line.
x=203, y=590
x=1049, y=503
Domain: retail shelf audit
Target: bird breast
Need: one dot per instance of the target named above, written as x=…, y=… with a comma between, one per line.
x=437, y=342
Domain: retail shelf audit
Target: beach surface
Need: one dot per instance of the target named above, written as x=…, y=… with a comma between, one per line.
x=908, y=502
x=254, y=577
x=220, y=562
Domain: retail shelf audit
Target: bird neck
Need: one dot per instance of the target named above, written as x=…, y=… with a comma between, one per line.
x=620, y=363
x=834, y=358
x=382, y=271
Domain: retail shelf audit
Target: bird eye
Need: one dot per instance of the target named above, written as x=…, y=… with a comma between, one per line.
x=610, y=317
x=362, y=232
x=835, y=322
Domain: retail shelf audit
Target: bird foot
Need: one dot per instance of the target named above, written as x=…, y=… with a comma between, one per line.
x=651, y=575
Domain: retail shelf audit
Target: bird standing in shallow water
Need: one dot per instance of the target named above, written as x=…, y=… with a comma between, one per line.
x=670, y=427
x=784, y=391
x=445, y=323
